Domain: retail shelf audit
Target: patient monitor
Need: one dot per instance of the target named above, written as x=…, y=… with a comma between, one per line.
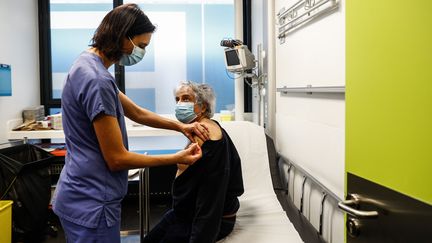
x=238, y=58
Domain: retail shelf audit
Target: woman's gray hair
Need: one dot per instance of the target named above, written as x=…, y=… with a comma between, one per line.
x=204, y=95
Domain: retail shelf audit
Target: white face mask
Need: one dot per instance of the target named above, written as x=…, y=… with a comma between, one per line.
x=135, y=57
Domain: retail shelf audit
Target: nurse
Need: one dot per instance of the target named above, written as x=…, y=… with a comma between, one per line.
x=94, y=179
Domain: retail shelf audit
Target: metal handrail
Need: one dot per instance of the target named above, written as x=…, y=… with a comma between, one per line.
x=286, y=12
x=313, y=179
x=326, y=193
x=293, y=22
x=309, y=89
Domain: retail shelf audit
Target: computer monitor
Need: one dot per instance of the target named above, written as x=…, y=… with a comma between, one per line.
x=239, y=59
x=232, y=58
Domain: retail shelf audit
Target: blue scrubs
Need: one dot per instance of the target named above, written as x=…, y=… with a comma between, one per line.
x=88, y=194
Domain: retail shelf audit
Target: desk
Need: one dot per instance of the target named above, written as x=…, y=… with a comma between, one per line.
x=132, y=131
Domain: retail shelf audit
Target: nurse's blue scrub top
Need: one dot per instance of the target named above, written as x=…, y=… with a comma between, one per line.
x=87, y=189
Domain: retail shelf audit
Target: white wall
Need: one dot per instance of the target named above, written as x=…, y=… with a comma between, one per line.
x=19, y=47
x=310, y=128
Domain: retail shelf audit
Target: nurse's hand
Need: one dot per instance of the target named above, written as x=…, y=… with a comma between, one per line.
x=190, y=154
x=195, y=129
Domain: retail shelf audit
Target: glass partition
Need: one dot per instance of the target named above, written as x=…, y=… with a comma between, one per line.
x=185, y=46
x=72, y=26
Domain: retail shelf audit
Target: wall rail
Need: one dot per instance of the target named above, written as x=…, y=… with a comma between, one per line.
x=301, y=13
x=310, y=89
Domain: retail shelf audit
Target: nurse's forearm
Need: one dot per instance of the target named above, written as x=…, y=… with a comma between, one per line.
x=152, y=119
x=146, y=117
x=122, y=159
x=130, y=160
x=117, y=157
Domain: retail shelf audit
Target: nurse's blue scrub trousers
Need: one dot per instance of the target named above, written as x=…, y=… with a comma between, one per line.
x=75, y=233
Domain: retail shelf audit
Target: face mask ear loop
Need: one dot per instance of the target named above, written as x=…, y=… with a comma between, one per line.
x=131, y=41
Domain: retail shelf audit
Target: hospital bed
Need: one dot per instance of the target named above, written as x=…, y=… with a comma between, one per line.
x=266, y=214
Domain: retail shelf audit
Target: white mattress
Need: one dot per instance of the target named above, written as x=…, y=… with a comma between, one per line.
x=261, y=218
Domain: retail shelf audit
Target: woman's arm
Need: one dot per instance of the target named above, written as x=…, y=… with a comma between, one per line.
x=148, y=118
x=119, y=158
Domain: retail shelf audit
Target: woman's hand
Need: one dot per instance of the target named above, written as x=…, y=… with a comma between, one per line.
x=190, y=154
x=196, y=128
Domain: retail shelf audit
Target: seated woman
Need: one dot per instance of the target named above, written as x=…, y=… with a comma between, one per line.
x=204, y=194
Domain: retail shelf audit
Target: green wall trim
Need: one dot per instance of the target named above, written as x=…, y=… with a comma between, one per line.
x=389, y=94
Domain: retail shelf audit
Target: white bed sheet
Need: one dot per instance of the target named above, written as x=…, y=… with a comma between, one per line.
x=261, y=218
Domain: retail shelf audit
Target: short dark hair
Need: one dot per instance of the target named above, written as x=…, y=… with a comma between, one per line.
x=126, y=20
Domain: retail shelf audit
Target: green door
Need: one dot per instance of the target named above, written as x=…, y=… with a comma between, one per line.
x=389, y=119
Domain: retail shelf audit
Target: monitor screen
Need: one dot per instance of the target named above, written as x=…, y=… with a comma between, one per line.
x=232, y=58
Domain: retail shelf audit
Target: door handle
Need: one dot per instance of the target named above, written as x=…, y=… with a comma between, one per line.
x=346, y=206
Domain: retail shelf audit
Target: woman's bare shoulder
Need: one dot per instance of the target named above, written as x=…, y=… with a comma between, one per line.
x=214, y=128
x=215, y=132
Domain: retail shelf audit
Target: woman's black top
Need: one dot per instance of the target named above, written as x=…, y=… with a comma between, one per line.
x=209, y=188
